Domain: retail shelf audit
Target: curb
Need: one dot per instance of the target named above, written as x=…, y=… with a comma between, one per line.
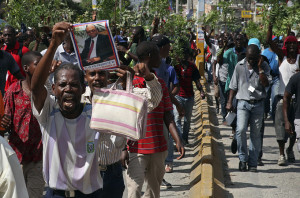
x=202, y=171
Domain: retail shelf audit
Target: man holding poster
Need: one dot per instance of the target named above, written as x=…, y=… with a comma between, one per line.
x=97, y=47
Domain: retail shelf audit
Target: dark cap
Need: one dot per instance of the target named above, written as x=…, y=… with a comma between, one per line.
x=160, y=40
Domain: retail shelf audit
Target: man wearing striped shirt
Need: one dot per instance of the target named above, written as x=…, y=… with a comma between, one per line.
x=70, y=146
x=147, y=156
x=110, y=145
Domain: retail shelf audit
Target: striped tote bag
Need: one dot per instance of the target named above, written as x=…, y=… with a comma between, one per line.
x=119, y=112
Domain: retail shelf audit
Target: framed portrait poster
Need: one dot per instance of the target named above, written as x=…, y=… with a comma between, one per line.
x=94, y=45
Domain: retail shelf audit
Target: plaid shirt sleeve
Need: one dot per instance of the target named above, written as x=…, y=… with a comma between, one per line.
x=9, y=104
x=152, y=92
x=166, y=97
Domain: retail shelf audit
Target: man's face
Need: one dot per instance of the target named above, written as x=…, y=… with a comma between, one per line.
x=31, y=67
x=291, y=46
x=92, y=31
x=252, y=57
x=30, y=35
x=239, y=41
x=68, y=90
x=96, y=78
x=221, y=42
x=164, y=50
x=9, y=37
x=155, y=60
x=135, y=36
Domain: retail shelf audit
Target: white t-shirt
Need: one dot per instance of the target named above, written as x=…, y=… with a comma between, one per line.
x=286, y=70
x=70, y=149
x=12, y=183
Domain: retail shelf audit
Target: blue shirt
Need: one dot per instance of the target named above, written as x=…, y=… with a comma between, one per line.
x=167, y=73
x=64, y=56
x=273, y=60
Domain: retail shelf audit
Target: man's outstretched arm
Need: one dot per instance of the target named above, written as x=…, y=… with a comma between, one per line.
x=39, y=93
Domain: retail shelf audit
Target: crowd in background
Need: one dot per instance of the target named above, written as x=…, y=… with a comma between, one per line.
x=47, y=108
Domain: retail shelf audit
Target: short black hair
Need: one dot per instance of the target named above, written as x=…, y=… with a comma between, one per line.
x=11, y=28
x=28, y=57
x=69, y=66
x=145, y=49
x=253, y=48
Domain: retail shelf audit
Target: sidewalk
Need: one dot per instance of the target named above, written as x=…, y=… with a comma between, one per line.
x=271, y=180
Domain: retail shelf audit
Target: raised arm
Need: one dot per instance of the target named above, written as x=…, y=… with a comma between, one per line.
x=273, y=45
x=39, y=93
x=207, y=37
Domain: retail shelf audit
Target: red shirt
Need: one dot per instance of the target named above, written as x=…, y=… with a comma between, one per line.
x=14, y=52
x=154, y=141
x=25, y=137
x=186, y=78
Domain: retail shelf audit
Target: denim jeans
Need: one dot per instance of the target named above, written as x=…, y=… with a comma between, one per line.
x=187, y=104
x=274, y=92
x=252, y=114
x=113, y=183
x=209, y=71
x=223, y=98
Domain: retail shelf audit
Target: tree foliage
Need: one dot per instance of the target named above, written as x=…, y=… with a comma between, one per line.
x=35, y=13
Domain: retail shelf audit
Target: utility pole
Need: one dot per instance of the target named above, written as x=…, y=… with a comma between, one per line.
x=177, y=6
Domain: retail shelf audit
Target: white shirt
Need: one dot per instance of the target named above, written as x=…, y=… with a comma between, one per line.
x=12, y=183
x=286, y=70
x=111, y=145
x=70, y=149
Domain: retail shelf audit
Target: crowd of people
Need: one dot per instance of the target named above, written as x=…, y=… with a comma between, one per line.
x=47, y=106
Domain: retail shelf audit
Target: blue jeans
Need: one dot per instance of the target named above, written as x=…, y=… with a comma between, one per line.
x=113, y=183
x=170, y=157
x=51, y=194
x=252, y=114
x=274, y=92
x=223, y=98
x=209, y=71
x=187, y=104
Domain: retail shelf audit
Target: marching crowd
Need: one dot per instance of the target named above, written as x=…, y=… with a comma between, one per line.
x=47, y=105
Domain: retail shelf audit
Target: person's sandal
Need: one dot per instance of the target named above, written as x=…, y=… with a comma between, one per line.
x=169, y=168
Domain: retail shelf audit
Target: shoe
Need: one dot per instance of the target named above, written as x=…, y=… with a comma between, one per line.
x=233, y=146
x=165, y=184
x=290, y=155
x=252, y=169
x=259, y=162
x=281, y=160
x=243, y=166
x=169, y=168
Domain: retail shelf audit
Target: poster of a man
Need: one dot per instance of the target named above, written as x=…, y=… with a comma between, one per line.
x=94, y=45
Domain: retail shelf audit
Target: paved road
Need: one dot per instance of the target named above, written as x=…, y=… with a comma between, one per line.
x=180, y=177
x=271, y=180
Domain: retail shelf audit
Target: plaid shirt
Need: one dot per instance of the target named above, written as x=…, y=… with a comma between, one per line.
x=186, y=78
x=25, y=136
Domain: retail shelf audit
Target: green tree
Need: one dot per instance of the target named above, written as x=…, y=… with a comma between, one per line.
x=36, y=13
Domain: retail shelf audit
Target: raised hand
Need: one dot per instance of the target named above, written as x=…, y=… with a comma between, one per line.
x=142, y=70
x=59, y=32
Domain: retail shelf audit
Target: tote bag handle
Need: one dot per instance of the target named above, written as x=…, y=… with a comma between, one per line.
x=128, y=83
